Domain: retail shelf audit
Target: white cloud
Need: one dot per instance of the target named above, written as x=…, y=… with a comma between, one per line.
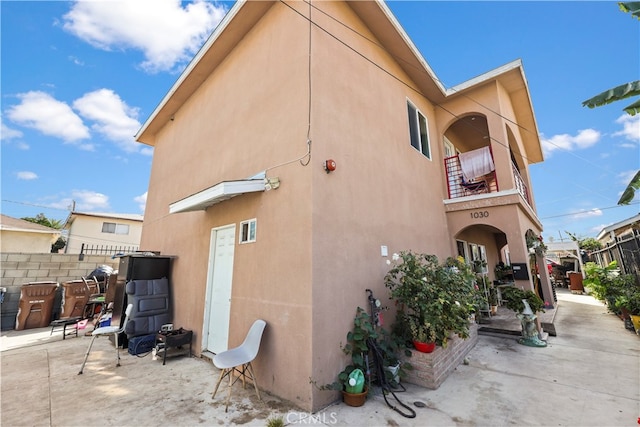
x=147, y=151
x=85, y=200
x=167, y=33
x=584, y=139
x=112, y=117
x=630, y=129
x=8, y=133
x=103, y=109
x=626, y=176
x=587, y=214
x=27, y=175
x=141, y=200
x=40, y=111
x=598, y=228
x=75, y=60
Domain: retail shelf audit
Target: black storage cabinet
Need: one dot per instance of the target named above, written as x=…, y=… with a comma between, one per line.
x=135, y=267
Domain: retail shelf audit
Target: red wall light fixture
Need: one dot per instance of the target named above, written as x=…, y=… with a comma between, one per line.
x=330, y=165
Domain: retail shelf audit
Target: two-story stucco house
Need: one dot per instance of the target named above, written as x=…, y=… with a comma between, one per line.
x=331, y=107
x=102, y=233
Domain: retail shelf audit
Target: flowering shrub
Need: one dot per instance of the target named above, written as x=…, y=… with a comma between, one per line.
x=428, y=292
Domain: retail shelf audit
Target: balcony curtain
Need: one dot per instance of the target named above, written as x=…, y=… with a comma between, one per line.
x=476, y=163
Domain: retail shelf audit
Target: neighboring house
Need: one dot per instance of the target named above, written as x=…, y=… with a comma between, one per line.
x=566, y=254
x=272, y=102
x=18, y=235
x=102, y=233
x=621, y=243
x=620, y=230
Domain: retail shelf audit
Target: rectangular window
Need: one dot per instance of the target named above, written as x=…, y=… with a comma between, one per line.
x=418, y=130
x=462, y=249
x=113, y=228
x=479, y=258
x=122, y=229
x=248, y=231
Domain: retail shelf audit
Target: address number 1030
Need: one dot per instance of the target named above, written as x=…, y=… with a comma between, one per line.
x=479, y=214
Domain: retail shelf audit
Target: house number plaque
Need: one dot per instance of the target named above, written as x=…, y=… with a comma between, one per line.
x=479, y=214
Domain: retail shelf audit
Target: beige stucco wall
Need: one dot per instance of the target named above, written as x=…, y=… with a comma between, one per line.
x=26, y=242
x=88, y=230
x=384, y=192
x=250, y=115
x=319, y=235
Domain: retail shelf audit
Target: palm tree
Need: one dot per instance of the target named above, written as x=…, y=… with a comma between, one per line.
x=618, y=93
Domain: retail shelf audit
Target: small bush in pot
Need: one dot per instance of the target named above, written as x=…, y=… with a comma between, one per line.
x=440, y=294
x=512, y=298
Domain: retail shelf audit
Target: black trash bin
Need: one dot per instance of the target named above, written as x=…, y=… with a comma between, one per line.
x=36, y=305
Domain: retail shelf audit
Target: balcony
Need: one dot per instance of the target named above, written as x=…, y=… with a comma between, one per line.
x=457, y=187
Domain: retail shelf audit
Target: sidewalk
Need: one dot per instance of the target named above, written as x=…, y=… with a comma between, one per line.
x=588, y=375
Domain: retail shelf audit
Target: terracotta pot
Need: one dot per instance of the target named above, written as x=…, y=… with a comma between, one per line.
x=354, y=399
x=424, y=347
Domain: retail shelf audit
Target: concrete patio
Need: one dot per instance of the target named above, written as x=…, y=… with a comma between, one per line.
x=588, y=375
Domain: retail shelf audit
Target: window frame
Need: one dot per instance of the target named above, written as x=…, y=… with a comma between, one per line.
x=115, y=228
x=248, y=236
x=417, y=134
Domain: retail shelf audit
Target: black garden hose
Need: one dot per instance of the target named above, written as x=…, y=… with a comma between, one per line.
x=384, y=384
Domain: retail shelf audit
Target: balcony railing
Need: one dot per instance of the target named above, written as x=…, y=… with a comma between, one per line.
x=458, y=187
x=520, y=185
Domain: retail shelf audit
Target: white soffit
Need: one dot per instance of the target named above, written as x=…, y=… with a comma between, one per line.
x=216, y=194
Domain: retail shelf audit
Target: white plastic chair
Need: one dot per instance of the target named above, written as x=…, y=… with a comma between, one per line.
x=239, y=360
x=106, y=331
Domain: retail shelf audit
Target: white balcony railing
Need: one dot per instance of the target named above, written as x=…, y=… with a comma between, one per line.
x=520, y=185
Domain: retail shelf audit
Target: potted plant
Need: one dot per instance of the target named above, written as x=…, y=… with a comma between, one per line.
x=423, y=336
x=434, y=293
x=493, y=299
x=526, y=304
x=357, y=348
x=620, y=292
x=391, y=345
x=479, y=265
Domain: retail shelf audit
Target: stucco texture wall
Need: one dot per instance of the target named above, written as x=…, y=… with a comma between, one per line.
x=383, y=192
x=88, y=230
x=248, y=116
x=19, y=241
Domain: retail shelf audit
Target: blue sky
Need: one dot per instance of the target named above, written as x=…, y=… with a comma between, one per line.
x=79, y=79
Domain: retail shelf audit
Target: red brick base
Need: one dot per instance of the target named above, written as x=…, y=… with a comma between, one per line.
x=431, y=369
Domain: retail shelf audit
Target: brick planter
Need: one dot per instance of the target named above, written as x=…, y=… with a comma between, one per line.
x=431, y=369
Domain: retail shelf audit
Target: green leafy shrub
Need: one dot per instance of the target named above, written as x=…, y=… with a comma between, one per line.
x=617, y=290
x=428, y=292
x=512, y=299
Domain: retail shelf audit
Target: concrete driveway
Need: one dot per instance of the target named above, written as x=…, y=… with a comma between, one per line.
x=588, y=375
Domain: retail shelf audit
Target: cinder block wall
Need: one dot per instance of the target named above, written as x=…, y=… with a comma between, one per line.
x=20, y=268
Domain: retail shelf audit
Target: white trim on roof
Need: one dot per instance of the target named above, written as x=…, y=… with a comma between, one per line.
x=130, y=217
x=488, y=76
x=216, y=194
x=414, y=49
x=617, y=225
x=192, y=64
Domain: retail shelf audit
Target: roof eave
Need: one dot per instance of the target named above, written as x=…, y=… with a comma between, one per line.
x=225, y=36
x=526, y=117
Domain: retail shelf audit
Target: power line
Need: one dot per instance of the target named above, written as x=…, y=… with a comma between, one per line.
x=34, y=205
x=590, y=210
x=434, y=78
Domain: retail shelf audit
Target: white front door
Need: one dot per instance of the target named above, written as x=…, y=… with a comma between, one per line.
x=219, y=280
